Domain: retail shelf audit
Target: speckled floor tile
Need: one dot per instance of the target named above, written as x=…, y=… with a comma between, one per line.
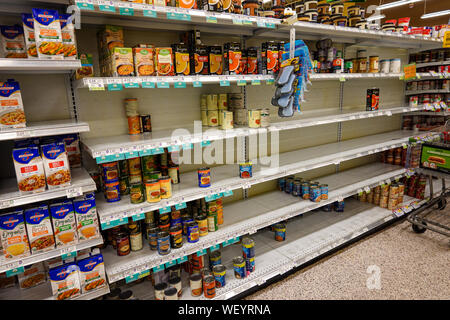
x=412, y=266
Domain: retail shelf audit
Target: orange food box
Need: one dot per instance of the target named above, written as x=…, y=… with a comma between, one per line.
x=164, y=62
x=144, y=61
x=122, y=63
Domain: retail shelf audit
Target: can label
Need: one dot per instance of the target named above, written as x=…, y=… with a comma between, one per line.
x=240, y=270
x=204, y=178
x=212, y=223
x=164, y=245
x=202, y=227
x=280, y=233
x=305, y=191
x=248, y=249
x=220, y=278
x=324, y=192
x=192, y=233
x=315, y=194
x=250, y=265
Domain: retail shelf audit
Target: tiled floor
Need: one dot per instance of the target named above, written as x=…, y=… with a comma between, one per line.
x=410, y=265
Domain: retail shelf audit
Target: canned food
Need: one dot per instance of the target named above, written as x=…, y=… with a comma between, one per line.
x=184, y=222
x=134, y=125
x=245, y=170
x=171, y=294
x=124, y=186
x=176, y=237
x=154, y=175
x=202, y=222
x=305, y=191
x=159, y=290
x=137, y=193
x=248, y=247
x=289, y=185
x=219, y=272
x=195, y=281
x=153, y=190
x=122, y=243
x=204, y=177
x=163, y=243
x=152, y=235
x=280, y=231
x=281, y=184
x=384, y=201
x=164, y=221
x=324, y=191
x=212, y=117
x=254, y=118
x=297, y=188
x=239, y=268
x=192, y=232
x=149, y=163
x=110, y=171
x=212, y=222
x=165, y=187
x=315, y=194
x=134, y=166
x=123, y=168
x=327, y=208
x=198, y=262
x=146, y=123
x=373, y=64
x=209, y=286
x=226, y=120
x=174, y=174
x=112, y=191
x=215, y=258
x=339, y=206
x=250, y=265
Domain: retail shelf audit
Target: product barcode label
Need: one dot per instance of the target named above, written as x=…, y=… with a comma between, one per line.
x=74, y=192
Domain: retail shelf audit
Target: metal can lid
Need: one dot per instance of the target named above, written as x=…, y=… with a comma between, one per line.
x=238, y=260
x=170, y=291
x=163, y=234
x=196, y=277
x=174, y=280
x=161, y=286
x=280, y=225
x=209, y=278
x=151, y=181
x=205, y=168
x=247, y=241
x=219, y=268
x=125, y=295
x=200, y=218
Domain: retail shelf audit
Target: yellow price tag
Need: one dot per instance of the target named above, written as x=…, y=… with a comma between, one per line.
x=446, y=43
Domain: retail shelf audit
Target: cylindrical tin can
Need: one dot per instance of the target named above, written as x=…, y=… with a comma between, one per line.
x=134, y=125
x=122, y=243
x=146, y=123
x=339, y=206
x=134, y=166
x=315, y=194
x=166, y=187
x=175, y=282
x=213, y=118
x=152, y=235
x=124, y=186
x=135, y=178
x=297, y=188
x=153, y=190
x=159, y=290
x=250, y=265
x=324, y=191
x=215, y=258
x=226, y=120
x=204, y=177
x=281, y=184
x=248, y=247
x=209, y=287
x=110, y=171
x=370, y=197
x=385, y=190
x=327, y=207
x=305, y=191
x=384, y=201
x=184, y=222
x=219, y=272
x=212, y=102
x=265, y=117
x=123, y=168
x=222, y=101
x=112, y=191
x=212, y=222
x=202, y=222
x=373, y=64
x=289, y=185
x=192, y=232
x=254, y=118
x=171, y=293
x=176, y=237
x=204, y=114
x=245, y=170
x=239, y=268
x=174, y=174
x=195, y=281
x=137, y=193
x=163, y=243
x=280, y=231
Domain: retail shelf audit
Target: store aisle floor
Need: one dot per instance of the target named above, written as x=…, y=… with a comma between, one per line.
x=411, y=266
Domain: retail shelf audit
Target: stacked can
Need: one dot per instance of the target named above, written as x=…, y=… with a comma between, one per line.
x=420, y=187
x=212, y=110
x=215, y=258
x=211, y=207
x=393, y=196
x=219, y=203
x=401, y=193
x=110, y=177
x=197, y=262
x=254, y=118
x=377, y=195
x=204, y=109
x=132, y=112
x=124, y=183
x=237, y=106
x=265, y=117
x=248, y=252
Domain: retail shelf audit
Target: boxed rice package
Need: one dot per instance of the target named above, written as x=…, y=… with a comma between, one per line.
x=65, y=281
x=29, y=167
x=47, y=30
x=56, y=165
x=86, y=216
x=92, y=273
x=72, y=143
x=12, y=114
x=12, y=42
x=28, y=32
x=33, y=275
x=68, y=37
x=13, y=235
x=64, y=223
x=39, y=229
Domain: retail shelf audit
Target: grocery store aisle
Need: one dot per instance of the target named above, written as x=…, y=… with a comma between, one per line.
x=412, y=266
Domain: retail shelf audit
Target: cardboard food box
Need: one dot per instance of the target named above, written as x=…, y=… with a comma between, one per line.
x=29, y=167
x=64, y=223
x=39, y=229
x=12, y=114
x=12, y=42
x=28, y=33
x=56, y=165
x=86, y=216
x=47, y=30
x=13, y=235
x=33, y=275
x=92, y=273
x=65, y=281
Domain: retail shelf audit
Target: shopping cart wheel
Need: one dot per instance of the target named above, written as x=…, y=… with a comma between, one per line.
x=419, y=229
x=442, y=204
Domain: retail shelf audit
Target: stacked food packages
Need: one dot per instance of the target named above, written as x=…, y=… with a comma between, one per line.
x=389, y=196
x=165, y=230
x=12, y=114
x=42, y=227
x=45, y=162
x=137, y=122
x=423, y=122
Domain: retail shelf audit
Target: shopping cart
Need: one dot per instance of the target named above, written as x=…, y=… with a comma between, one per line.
x=432, y=215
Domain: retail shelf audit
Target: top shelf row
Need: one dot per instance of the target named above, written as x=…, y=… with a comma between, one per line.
x=142, y=16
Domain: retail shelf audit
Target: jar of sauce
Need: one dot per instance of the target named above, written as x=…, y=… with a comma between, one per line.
x=122, y=243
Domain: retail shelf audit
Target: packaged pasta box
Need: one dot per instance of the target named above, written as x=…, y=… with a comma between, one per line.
x=122, y=62
x=28, y=33
x=86, y=216
x=33, y=275
x=47, y=30
x=68, y=37
x=12, y=42
x=56, y=165
x=29, y=168
x=87, y=66
x=144, y=63
x=65, y=281
x=12, y=114
x=92, y=273
x=64, y=223
x=39, y=229
x=72, y=143
x=13, y=235
x=164, y=62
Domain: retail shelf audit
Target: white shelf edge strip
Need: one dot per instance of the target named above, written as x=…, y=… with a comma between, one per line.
x=41, y=130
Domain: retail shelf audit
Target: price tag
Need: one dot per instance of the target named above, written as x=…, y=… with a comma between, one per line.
x=74, y=192
x=187, y=146
x=197, y=84
x=224, y=83
x=227, y=243
x=235, y=240
x=115, y=87
x=107, y=6
x=132, y=278
x=214, y=248
x=139, y=216
x=173, y=148
x=6, y=204
x=211, y=19
x=157, y=150
x=95, y=85
x=228, y=193
x=261, y=24
x=158, y=268
x=270, y=25
x=149, y=13
x=85, y=4
x=131, y=154
x=180, y=85
x=148, y=85
x=256, y=82
x=180, y=206
x=181, y=260
x=171, y=263
x=241, y=83
x=126, y=9
x=210, y=197
x=108, y=224
x=206, y=143
x=165, y=209
x=121, y=221
x=162, y=85
x=270, y=81
x=237, y=21
x=130, y=84
x=68, y=255
x=247, y=22
x=201, y=252
x=398, y=213
x=15, y=271
x=342, y=79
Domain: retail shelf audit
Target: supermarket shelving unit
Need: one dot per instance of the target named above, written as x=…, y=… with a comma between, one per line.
x=313, y=235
